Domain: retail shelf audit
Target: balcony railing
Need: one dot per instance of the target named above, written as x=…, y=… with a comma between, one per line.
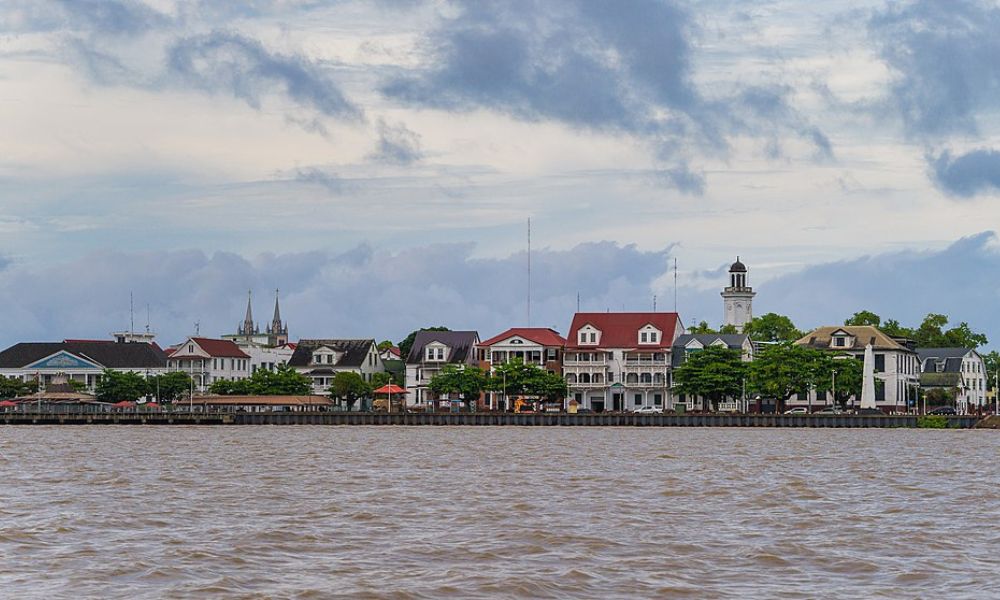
x=646, y=362
x=569, y=362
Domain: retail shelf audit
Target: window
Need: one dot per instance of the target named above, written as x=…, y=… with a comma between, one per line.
x=657, y=400
x=551, y=354
x=190, y=348
x=880, y=363
x=839, y=341
x=638, y=399
x=654, y=337
x=644, y=337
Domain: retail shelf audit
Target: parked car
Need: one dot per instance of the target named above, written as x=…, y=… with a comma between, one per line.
x=646, y=410
x=584, y=411
x=798, y=410
x=830, y=410
x=868, y=411
x=943, y=410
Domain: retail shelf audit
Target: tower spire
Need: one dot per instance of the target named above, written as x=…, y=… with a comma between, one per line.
x=277, y=311
x=248, y=328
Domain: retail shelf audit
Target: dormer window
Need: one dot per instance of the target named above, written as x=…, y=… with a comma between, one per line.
x=588, y=335
x=649, y=335
x=840, y=341
x=434, y=353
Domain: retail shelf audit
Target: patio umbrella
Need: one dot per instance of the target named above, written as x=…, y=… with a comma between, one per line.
x=868, y=379
x=123, y=404
x=390, y=388
x=7, y=403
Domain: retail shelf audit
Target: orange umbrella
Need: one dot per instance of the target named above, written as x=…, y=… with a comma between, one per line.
x=390, y=388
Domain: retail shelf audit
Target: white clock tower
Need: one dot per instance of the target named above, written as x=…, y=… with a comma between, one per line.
x=738, y=297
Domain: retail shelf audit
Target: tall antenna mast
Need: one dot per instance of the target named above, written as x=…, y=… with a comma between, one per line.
x=147, y=317
x=675, y=285
x=529, y=271
x=131, y=313
x=578, y=302
x=197, y=328
x=654, y=302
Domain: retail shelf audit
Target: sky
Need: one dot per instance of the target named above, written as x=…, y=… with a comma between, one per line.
x=378, y=162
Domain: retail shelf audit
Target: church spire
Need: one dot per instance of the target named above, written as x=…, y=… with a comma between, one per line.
x=276, y=321
x=248, y=328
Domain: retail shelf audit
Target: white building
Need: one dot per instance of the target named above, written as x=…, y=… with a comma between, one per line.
x=321, y=360
x=538, y=346
x=738, y=297
x=620, y=361
x=81, y=361
x=960, y=370
x=897, y=368
x=206, y=361
x=431, y=351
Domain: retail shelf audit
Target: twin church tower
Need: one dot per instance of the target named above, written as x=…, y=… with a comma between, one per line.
x=247, y=332
x=737, y=297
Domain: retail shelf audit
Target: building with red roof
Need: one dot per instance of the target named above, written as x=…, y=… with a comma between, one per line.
x=539, y=346
x=620, y=361
x=208, y=360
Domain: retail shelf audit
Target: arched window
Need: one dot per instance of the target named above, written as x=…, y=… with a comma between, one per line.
x=598, y=378
x=571, y=378
x=631, y=378
x=584, y=377
x=646, y=378
x=658, y=378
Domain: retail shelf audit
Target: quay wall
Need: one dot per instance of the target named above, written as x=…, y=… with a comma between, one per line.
x=480, y=419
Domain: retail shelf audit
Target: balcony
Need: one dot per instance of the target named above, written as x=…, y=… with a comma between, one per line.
x=597, y=362
x=646, y=362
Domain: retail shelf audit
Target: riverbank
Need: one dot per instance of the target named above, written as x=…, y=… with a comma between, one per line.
x=487, y=419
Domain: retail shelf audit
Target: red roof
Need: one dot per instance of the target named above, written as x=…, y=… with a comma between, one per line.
x=214, y=348
x=540, y=335
x=621, y=330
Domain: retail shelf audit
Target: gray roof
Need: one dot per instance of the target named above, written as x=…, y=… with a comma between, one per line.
x=110, y=354
x=460, y=342
x=950, y=359
x=734, y=341
x=355, y=352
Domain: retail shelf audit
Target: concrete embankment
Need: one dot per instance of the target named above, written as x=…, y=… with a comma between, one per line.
x=989, y=423
x=483, y=419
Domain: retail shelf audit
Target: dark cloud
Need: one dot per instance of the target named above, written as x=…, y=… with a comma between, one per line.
x=397, y=145
x=944, y=57
x=226, y=62
x=361, y=292
x=621, y=67
x=906, y=285
x=331, y=181
x=102, y=17
x=968, y=174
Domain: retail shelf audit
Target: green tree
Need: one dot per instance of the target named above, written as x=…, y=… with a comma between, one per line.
x=728, y=329
x=465, y=381
x=782, y=370
x=701, y=328
x=713, y=373
x=116, y=386
x=228, y=387
x=407, y=343
x=932, y=334
x=992, y=361
x=772, y=328
x=892, y=328
x=12, y=387
x=380, y=379
x=283, y=381
x=349, y=387
x=864, y=317
x=518, y=379
x=841, y=375
x=169, y=387
x=385, y=345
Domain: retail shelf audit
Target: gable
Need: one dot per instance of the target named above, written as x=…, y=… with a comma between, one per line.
x=64, y=360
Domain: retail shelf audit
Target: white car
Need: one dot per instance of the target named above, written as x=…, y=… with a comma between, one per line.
x=798, y=410
x=646, y=410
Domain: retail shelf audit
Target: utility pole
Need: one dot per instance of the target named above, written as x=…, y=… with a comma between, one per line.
x=529, y=271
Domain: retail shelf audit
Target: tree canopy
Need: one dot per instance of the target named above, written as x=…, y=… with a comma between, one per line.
x=781, y=370
x=701, y=328
x=772, y=328
x=283, y=381
x=465, y=381
x=349, y=387
x=713, y=373
x=518, y=379
x=933, y=331
x=116, y=386
x=12, y=387
x=169, y=387
x=407, y=343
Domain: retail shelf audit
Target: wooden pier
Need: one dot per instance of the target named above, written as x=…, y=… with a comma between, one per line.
x=479, y=419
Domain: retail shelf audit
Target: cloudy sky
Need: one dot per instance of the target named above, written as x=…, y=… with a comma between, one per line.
x=378, y=161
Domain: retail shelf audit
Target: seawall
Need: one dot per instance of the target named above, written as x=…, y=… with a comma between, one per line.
x=481, y=419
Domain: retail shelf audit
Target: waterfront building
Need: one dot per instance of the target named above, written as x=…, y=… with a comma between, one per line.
x=208, y=360
x=391, y=353
x=538, y=346
x=81, y=361
x=688, y=343
x=737, y=297
x=897, y=366
x=960, y=372
x=431, y=351
x=621, y=361
x=249, y=333
x=322, y=359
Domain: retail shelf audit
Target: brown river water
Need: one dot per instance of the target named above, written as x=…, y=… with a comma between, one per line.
x=452, y=512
